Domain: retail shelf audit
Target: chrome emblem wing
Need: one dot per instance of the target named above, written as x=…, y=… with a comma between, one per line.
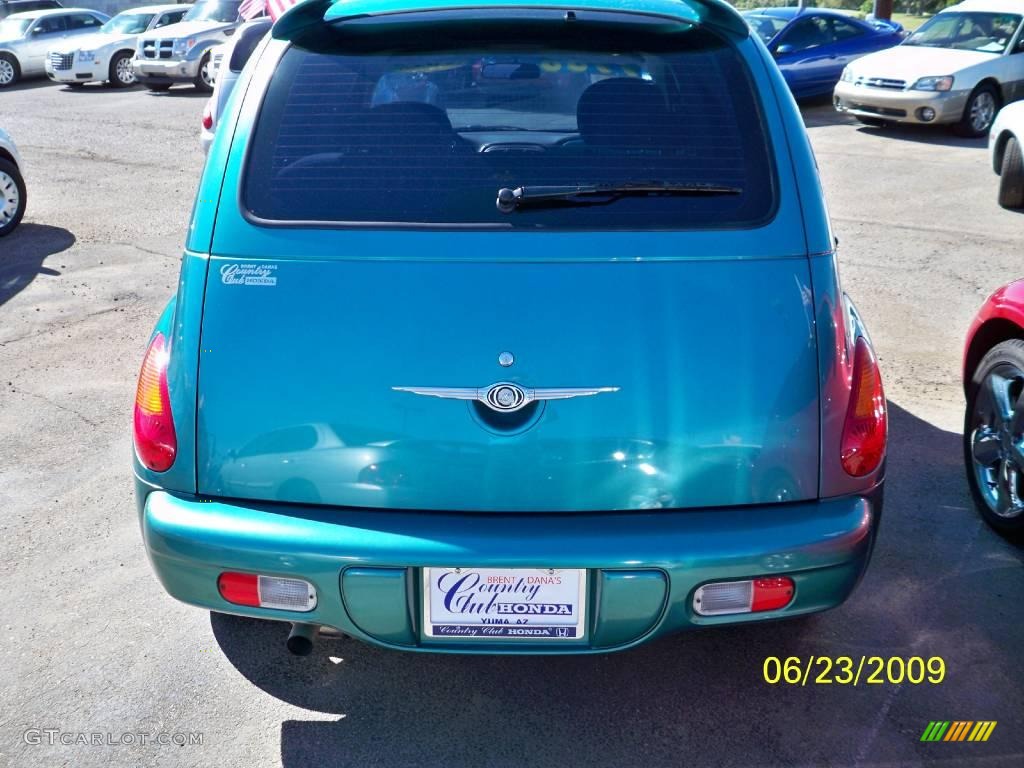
x=505, y=396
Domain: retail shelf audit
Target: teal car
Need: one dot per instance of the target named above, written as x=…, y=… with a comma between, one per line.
x=509, y=327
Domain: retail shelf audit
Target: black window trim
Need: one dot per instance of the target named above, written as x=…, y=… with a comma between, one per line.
x=316, y=224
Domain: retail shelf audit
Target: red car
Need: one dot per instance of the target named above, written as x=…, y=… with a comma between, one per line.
x=994, y=419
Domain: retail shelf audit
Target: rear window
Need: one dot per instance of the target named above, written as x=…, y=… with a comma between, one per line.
x=656, y=124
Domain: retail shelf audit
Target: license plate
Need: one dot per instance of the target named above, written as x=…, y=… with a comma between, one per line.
x=505, y=603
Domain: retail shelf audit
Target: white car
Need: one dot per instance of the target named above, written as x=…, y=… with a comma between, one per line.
x=228, y=60
x=106, y=54
x=26, y=38
x=12, y=186
x=958, y=68
x=1006, y=146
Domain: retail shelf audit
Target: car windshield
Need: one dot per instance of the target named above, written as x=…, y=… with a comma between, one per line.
x=213, y=10
x=127, y=24
x=10, y=28
x=975, y=31
x=766, y=27
x=604, y=128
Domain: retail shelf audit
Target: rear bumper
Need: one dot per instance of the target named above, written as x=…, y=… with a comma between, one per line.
x=643, y=566
x=899, y=106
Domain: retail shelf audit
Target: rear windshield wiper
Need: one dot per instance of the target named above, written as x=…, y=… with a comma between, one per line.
x=510, y=200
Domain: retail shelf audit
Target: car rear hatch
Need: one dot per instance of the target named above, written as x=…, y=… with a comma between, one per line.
x=324, y=343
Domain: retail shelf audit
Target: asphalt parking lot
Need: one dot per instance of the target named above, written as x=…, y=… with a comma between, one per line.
x=93, y=645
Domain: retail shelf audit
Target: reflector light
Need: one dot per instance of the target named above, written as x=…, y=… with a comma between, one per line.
x=864, y=433
x=267, y=591
x=207, y=116
x=239, y=588
x=155, y=442
x=770, y=594
x=750, y=596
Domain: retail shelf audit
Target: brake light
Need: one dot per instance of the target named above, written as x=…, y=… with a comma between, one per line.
x=207, y=116
x=750, y=596
x=155, y=442
x=261, y=591
x=865, y=430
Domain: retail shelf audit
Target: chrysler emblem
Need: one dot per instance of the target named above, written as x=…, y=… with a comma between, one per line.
x=506, y=397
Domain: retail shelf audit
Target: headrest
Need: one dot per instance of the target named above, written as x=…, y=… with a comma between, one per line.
x=623, y=112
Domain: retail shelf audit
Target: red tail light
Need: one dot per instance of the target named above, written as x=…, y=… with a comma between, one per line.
x=207, y=116
x=155, y=442
x=771, y=594
x=864, y=433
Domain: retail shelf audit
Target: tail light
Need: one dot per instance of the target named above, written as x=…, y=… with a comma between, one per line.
x=207, y=115
x=750, y=596
x=155, y=442
x=267, y=591
x=864, y=433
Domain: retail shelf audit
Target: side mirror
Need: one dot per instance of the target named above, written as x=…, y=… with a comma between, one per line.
x=782, y=49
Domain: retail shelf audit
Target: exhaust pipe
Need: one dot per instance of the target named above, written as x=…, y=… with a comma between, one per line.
x=300, y=639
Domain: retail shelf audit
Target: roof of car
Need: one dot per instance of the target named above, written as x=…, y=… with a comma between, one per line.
x=695, y=11
x=992, y=6
x=53, y=12
x=155, y=8
x=789, y=13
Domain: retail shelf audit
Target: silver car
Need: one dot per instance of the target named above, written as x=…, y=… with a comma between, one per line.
x=106, y=55
x=26, y=38
x=12, y=186
x=958, y=68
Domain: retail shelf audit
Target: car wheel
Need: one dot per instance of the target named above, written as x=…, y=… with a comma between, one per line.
x=1011, y=177
x=10, y=71
x=13, y=197
x=874, y=122
x=994, y=437
x=979, y=112
x=121, y=74
x=159, y=87
x=204, y=80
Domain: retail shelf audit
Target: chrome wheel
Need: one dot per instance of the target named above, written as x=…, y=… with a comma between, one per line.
x=6, y=72
x=983, y=111
x=10, y=198
x=997, y=441
x=123, y=71
x=206, y=72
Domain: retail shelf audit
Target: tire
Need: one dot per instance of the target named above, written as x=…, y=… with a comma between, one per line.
x=979, y=112
x=158, y=87
x=1011, y=177
x=13, y=197
x=10, y=70
x=204, y=80
x=120, y=74
x=993, y=443
x=874, y=122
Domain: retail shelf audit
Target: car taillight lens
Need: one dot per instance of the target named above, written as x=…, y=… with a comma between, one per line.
x=769, y=593
x=207, y=116
x=864, y=433
x=155, y=442
x=261, y=591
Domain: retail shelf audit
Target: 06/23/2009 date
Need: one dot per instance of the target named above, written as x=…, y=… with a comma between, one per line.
x=853, y=670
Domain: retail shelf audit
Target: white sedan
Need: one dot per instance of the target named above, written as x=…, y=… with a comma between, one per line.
x=1006, y=145
x=106, y=54
x=12, y=186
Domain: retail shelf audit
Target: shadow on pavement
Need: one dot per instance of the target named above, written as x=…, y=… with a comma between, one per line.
x=941, y=584
x=28, y=84
x=22, y=254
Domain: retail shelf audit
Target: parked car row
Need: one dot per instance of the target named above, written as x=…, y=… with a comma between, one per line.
x=156, y=45
x=960, y=68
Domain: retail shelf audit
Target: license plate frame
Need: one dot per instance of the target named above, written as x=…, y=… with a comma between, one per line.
x=517, y=586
